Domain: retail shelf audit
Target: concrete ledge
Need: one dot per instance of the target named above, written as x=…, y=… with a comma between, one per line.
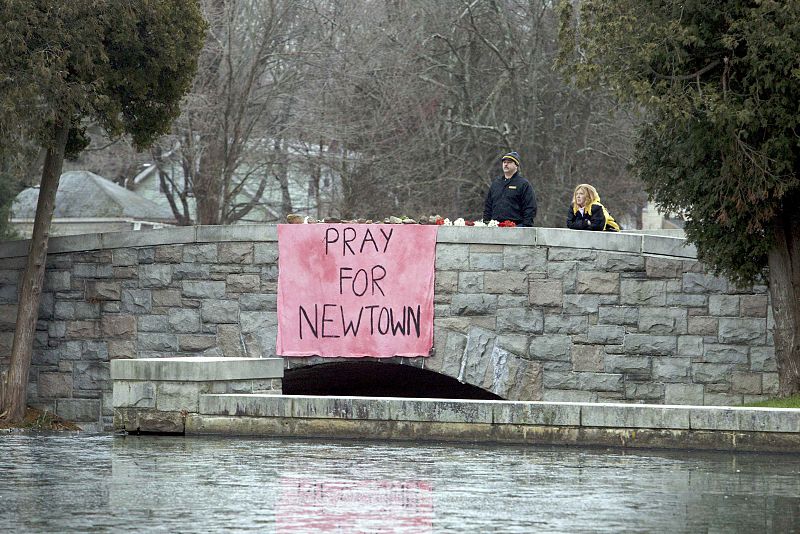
x=545, y=237
x=567, y=423
x=608, y=415
x=607, y=424
x=487, y=236
x=245, y=405
x=600, y=415
x=338, y=407
x=440, y=410
x=668, y=246
x=239, y=232
x=199, y=424
x=196, y=369
x=613, y=241
x=635, y=416
x=537, y=413
x=163, y=236
x=746, y=419
x=74, y=243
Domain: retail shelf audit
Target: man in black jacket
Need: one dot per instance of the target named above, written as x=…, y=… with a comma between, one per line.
x=511, y=197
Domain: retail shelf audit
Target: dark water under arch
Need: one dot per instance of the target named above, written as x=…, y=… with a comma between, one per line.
x=377, y=379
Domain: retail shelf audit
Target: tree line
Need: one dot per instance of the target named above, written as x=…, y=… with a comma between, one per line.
x=408, y=104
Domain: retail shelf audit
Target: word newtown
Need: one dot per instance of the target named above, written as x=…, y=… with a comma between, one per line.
x=324, y=321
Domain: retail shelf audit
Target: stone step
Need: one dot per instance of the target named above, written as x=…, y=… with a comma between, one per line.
x=603, y=424
x=611, y=415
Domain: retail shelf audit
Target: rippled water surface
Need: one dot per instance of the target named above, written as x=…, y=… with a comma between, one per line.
x=69, y=483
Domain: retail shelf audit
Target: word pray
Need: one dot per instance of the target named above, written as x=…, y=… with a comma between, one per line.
x=350, y=235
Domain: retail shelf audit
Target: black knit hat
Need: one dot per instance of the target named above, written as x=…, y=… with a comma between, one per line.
x=513, y=156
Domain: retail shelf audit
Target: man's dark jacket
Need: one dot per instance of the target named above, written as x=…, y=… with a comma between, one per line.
x=510, y=200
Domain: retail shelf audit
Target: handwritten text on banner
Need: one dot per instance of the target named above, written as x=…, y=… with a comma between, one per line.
x=355, y=290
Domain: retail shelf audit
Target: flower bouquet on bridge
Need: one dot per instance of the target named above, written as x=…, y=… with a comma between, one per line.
x=438, y=220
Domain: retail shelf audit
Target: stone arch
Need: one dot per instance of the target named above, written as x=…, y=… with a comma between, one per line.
x=377, y=379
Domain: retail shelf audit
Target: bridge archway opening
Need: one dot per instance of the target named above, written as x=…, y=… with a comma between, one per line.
x=375, y=379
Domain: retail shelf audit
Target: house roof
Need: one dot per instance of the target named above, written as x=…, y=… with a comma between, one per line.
x=84, y=194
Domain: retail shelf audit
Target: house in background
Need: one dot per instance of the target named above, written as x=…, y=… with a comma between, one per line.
x=303, y=163
x=88, y=203
x=658, y=222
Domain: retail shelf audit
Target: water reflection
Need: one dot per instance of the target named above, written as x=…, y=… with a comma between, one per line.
x=353, y=506
x=80, y=483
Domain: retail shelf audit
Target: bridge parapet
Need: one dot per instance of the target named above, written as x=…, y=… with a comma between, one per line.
x=529, y=314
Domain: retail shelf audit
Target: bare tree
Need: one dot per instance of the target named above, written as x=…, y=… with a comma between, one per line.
x=229, y=139
x=420, y=100
x=386, y=107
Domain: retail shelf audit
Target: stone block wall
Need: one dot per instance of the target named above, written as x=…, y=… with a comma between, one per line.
x=530, y=314
x=150, y=298
x=579, y=321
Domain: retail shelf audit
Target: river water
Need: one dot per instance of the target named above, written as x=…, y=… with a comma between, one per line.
x=78, y=483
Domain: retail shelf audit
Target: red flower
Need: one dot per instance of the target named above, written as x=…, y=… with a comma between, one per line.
x=439, y=221
x=469, y=223
x=507, y=224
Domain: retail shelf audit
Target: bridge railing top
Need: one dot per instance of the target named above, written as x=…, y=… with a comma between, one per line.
x=636, y=243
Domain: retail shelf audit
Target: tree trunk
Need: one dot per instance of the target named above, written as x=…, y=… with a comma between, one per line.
x=282, y=173
x=14, y=401
x=207, y=184
x=315, y=180
x=784, y=287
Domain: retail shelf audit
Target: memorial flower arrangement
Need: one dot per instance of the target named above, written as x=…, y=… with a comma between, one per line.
x=462, y=222
x=433, y=219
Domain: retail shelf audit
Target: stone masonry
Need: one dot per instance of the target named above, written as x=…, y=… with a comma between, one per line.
x=529, y=314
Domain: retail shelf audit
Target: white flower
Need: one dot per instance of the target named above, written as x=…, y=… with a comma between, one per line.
x=479, y=223
x=447, y=222
x=305, y=219
x=493, y=223
x=459, y=222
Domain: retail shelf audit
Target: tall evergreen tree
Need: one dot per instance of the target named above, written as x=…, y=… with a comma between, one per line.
x=18, y=160
x=123, y=65
x=720, y=83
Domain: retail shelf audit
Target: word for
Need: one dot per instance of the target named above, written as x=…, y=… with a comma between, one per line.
x=361, y=280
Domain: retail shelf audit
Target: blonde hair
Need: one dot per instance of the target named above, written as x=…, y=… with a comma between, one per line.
x=590, y=192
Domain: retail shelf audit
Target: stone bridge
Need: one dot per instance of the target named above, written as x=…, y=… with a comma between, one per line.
x=520, y=314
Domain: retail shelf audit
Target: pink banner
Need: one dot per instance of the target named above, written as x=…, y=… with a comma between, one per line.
x=350, y=290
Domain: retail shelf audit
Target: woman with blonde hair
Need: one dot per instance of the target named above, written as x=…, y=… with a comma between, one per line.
x=587, y=213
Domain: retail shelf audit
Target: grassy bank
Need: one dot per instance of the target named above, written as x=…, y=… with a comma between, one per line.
x=785, y=402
